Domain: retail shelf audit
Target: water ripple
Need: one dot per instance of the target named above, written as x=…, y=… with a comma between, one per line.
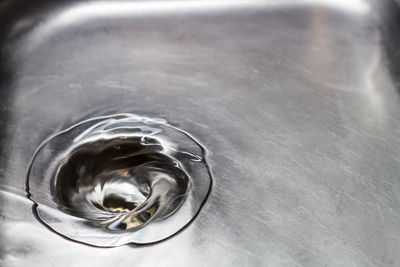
x=118, y=179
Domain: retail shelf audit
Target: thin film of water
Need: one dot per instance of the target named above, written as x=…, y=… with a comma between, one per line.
x=119, y=179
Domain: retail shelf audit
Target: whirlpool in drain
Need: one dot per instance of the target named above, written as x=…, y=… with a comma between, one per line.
x=119, y=179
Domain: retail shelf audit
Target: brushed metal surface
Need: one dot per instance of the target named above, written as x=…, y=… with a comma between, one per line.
x=296, y=101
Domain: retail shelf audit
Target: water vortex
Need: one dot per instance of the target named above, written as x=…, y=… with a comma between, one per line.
x=118, y=179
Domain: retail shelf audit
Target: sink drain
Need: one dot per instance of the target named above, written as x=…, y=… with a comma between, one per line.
x=119, y=179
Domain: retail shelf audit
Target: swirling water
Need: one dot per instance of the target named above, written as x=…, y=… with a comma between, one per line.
x=118, y=179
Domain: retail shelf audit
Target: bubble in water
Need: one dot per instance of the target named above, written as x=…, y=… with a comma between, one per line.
x=119, y=179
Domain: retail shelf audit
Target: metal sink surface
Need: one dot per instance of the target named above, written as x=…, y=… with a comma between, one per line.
x=297, y=103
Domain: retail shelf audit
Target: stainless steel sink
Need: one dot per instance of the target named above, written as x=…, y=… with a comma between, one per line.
x=297, y=103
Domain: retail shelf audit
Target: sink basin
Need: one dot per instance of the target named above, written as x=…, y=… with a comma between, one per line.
x=296, y=102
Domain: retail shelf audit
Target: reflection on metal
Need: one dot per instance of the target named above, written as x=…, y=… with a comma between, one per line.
x=296, y=101
x=82, y=12
x=98, y=9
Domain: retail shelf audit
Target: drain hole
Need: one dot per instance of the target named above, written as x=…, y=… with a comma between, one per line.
x=118, y=179
x=101, y=180
x=117, y=204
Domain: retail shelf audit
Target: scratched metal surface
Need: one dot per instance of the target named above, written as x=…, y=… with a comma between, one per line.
x=296, y=101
